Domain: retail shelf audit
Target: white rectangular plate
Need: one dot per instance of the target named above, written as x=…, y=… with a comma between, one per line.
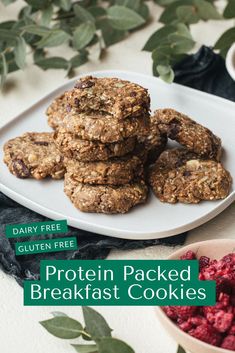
x=149, y=221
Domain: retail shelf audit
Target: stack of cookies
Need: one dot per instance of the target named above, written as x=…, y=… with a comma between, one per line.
x=98, y=136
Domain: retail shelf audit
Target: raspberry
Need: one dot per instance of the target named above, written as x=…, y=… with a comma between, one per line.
x=197, y=320
x=185, y=326
x=229, y=343
x=206, y=333
x=232, y=329
x=170, y=312
x=189, y=255
x=223, y=321
x=185, y=312
x=204, y=261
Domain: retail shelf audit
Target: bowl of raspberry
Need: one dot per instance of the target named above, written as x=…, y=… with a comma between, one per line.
x=206, y=329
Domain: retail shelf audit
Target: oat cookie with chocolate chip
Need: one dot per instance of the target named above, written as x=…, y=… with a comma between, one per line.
x=57, y=111
x=110, y=95
x=188, y=133
x=104, y=127
x=35, y=155
x=104, y=198
x=116, y=171
x=179, y=176
x=88, y=151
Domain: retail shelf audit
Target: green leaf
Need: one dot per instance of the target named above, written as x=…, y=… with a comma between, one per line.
x=46, y=15
x=96, y=325
x=8, y=36
x=164, y=2
x=58, y=313
x=110, y=35
x=144, y=11
x=187, y=14
x=180, y=44
x=180, y=349
x=159, y=37
x=4, y=70
x=54, y=38
x=54, y=62
x=97, y=11
x=8, y=2
x=85, y=348
x=78, y=60
x=132, y=4
x=20, y=52
x=162, y=55
x=123, y=18
x=65, y=4
x=83, y=14
x=229, y=11
x=37, y=4
x=225, y=41
x=166, y=73
x=63, y=327
x=169, y=14
x=113, y=345
x=83, y=35
x=38, y=30
x=206, y=10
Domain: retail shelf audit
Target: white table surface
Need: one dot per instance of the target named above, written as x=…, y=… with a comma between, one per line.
x=19, y=328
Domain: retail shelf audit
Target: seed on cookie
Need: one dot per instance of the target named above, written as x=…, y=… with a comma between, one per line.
x=181, y=176
x=110, y=95
x=104, y=198
x=88, y=151
x=188, y=133
x=34, y=154
x=116, y=171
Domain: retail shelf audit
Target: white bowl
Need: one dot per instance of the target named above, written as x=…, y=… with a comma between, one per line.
x=214, y=249
x=230, y=61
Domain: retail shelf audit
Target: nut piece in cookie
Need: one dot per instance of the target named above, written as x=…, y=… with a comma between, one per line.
x=88, y=151
x=116, y=171
x=104, y=198
x=110, y=95
x=57, y=111
x=34, y=154
x=179, y=176
x=104, y=127
x=188, y=133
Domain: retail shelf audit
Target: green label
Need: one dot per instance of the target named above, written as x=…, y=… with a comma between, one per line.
x=119, y=282
x=47, y=245
x=36, y=228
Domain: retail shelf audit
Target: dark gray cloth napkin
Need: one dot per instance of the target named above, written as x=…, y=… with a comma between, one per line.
x=205, y=71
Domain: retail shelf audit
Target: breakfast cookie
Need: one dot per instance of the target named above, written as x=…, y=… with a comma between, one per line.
x=188, y=133
x=110, y=95
x=34, y=154
x=179, y=176
x=116, y=171
x=88, y=151
x=104, y=127
x=57, y=111
x=150, y=146
x=104, y=198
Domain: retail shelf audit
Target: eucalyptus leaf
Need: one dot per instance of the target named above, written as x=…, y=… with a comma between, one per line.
x=164, y=2
x=83, y=14
x=8, y=2
x=123, y=18
x=46, y=15
x=54, y=62
x=63, y=327
x=180, y=44
x=78, y=60
x=180, y=349
x=20, y=53
x=65, y=4
x=225, y=41
x=113, y=345
x=97, y=11
x=159, y=37
x=166, y=73
x=54, y=38
x=8, y=35
x=85, y=348
x=96, y=325
x=110, y=35
x=4, y=70
x=83, y=35
x=58, y=313
x=37, y=4
x=144, y=11
x=38, y=30
x=132, y=4
x=169, y=14
x=187, y=14
x=206, y=10
x=229, y=11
